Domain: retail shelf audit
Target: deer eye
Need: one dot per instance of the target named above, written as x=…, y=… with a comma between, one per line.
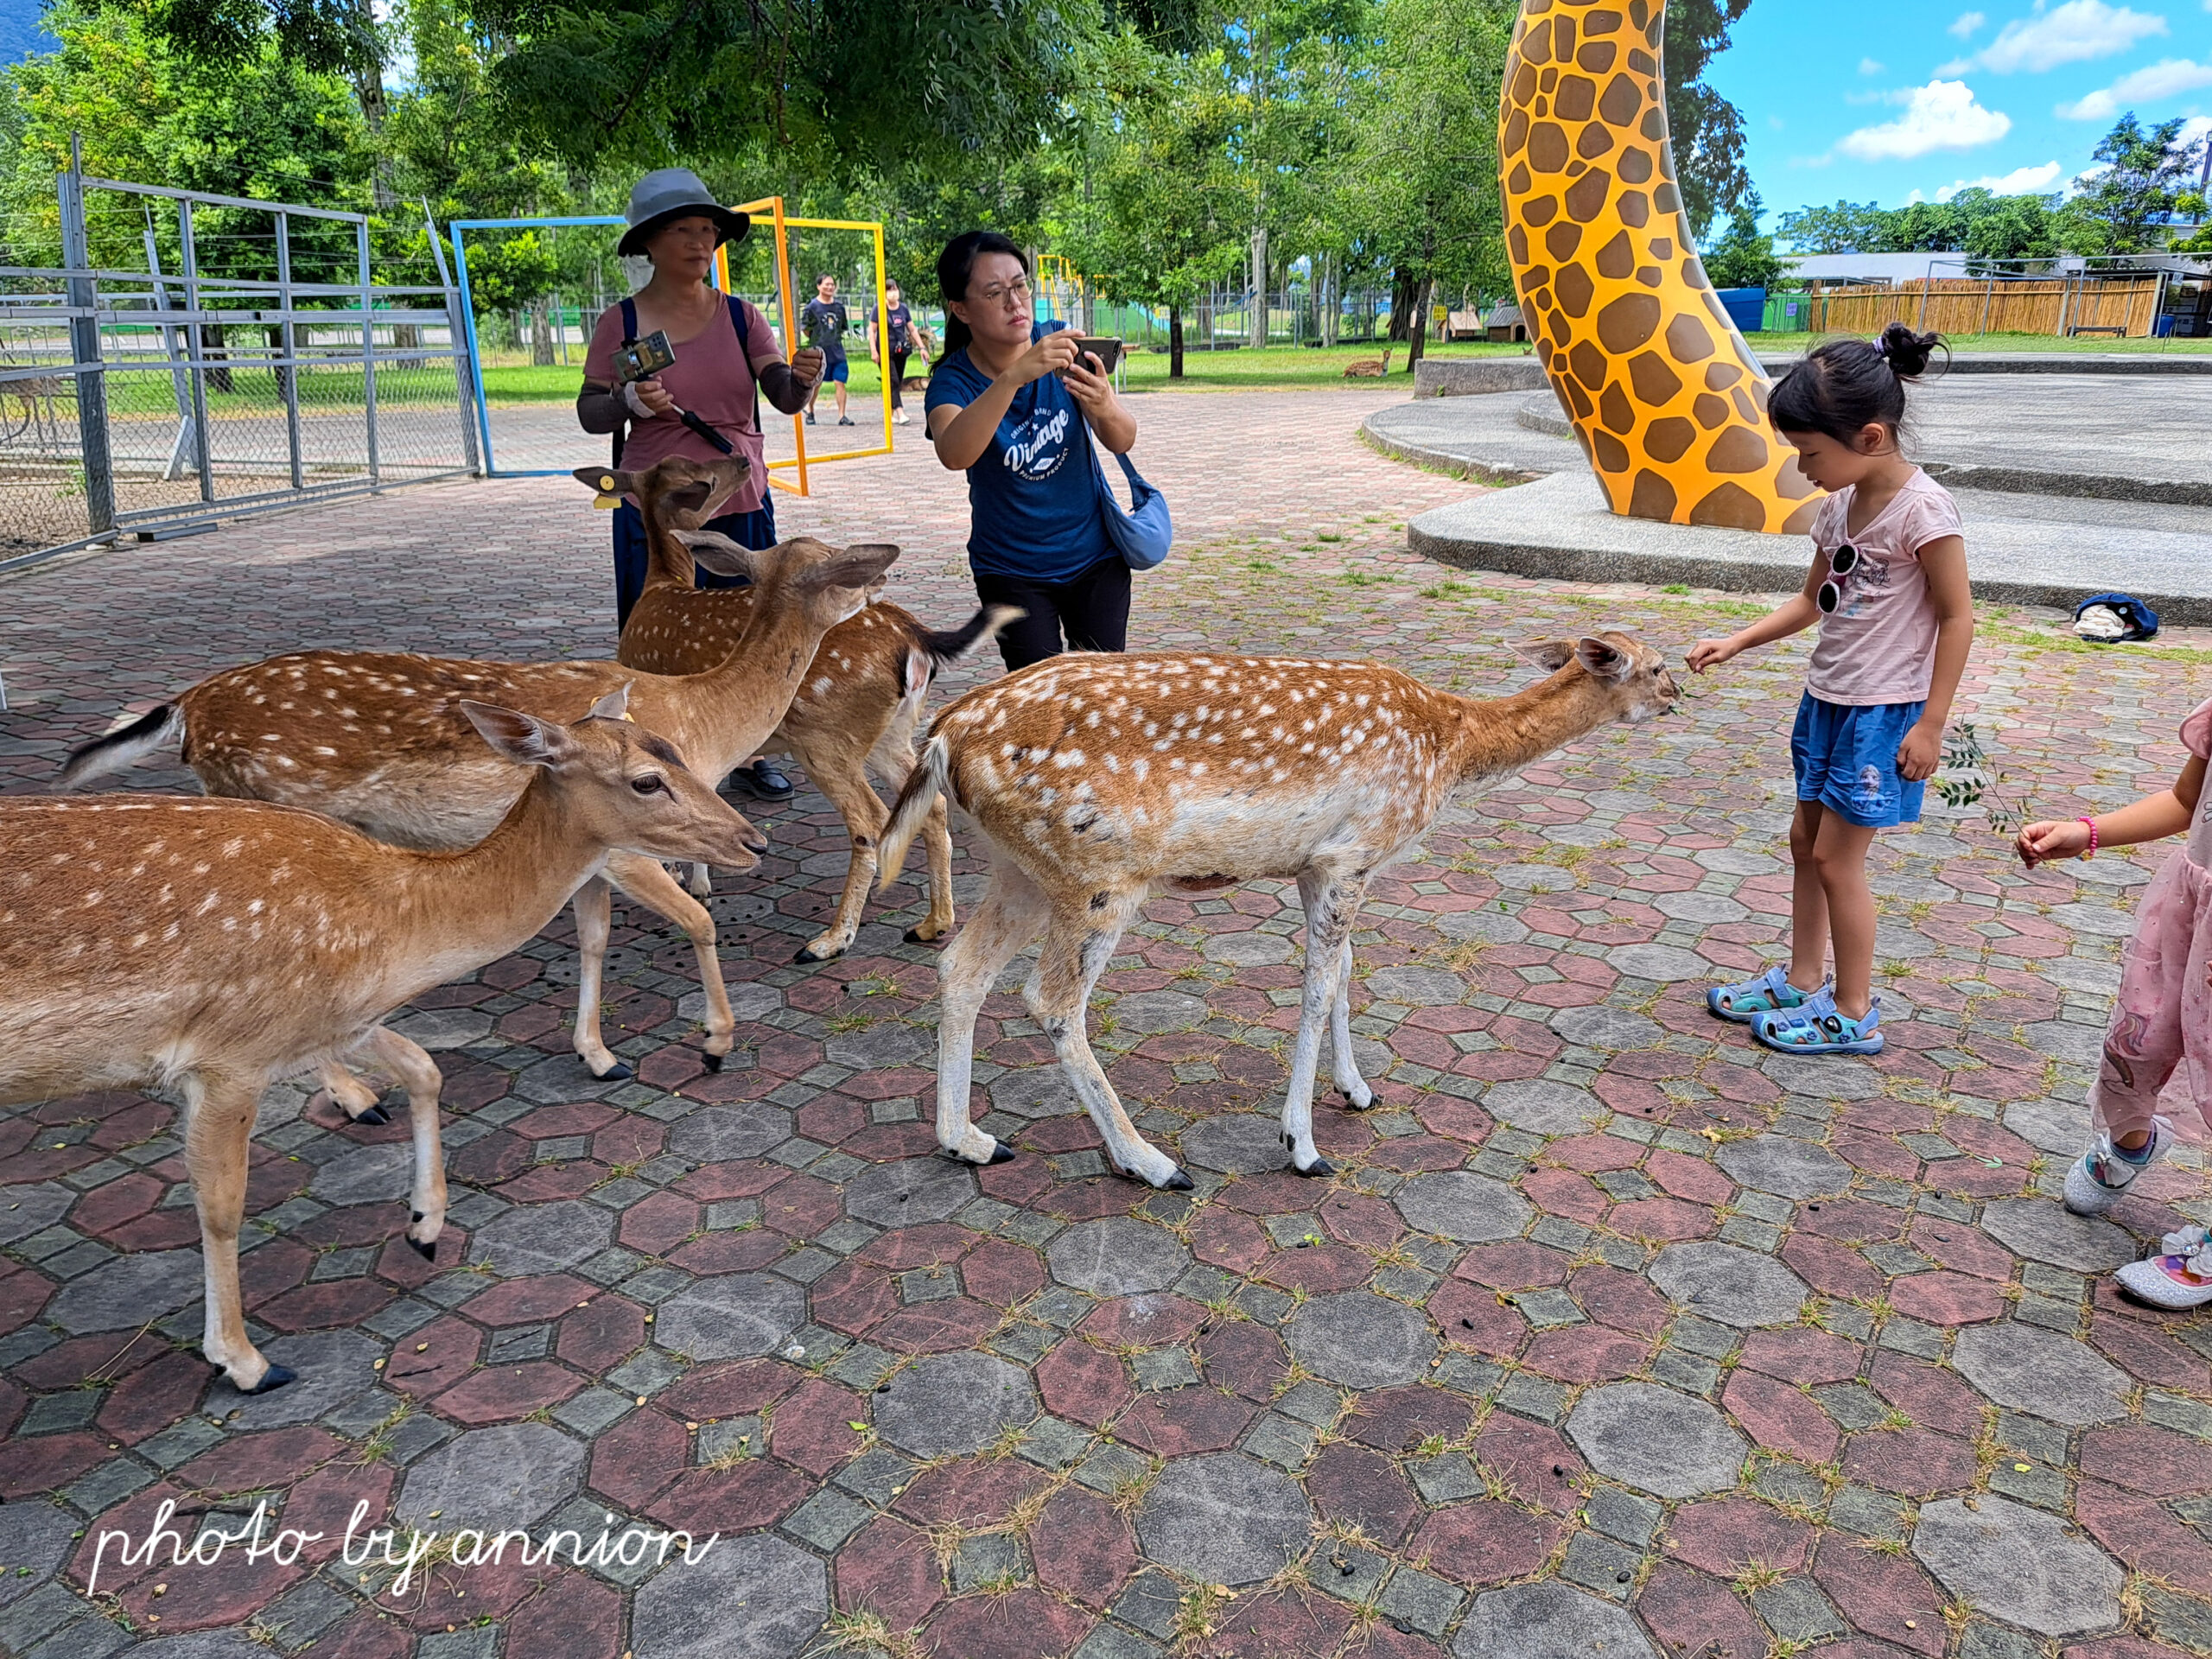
x=650, y=783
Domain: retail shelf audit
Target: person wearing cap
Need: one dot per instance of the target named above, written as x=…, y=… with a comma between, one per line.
x=727, y=360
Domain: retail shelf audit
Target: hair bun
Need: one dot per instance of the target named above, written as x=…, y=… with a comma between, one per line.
x=1906, y=352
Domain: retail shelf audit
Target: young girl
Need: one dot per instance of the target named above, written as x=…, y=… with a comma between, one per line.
x=1888, y=587
x=2161, y=1014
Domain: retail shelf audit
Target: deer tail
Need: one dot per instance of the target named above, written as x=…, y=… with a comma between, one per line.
x=957, y=646
x=929, y=780
x=158, y=731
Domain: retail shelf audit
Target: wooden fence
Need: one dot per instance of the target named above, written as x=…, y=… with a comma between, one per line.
x=1956, y=305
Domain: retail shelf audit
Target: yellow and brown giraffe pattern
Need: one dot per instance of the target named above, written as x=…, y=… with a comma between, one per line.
x=1669, y=402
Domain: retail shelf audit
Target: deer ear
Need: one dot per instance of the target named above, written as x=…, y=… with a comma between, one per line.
x=688, y=498
x=1550, y=655
x=608, y=481
x=1602, y=658
x=855, y=567
x=524, y=739
x=615, y=705
x=721, y=555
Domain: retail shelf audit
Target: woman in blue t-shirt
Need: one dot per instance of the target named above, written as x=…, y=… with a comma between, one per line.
x=1008, y=404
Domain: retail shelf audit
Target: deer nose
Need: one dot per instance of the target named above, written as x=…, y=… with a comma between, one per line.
x=756, y=844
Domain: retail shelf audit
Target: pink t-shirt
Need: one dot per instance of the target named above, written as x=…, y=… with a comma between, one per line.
x=2197, y=737
x=1878, y=645
x=714, y=379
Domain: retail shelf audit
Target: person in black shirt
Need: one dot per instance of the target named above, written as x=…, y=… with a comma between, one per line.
x=824, y=322
x=902, y=340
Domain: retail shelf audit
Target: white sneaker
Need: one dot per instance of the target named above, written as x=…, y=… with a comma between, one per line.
x=899, y=418
x=2180, y=1276
x=2099, y=1176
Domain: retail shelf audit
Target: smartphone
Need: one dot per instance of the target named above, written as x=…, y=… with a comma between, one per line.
x=641, y=359
x=1108, y=351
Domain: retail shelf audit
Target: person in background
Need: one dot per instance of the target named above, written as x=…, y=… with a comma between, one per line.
x=897, y=333
x=825, y=322
x=1009, y=404
x=726, y=359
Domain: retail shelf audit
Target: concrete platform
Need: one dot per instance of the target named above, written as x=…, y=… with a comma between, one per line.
x=1462, y=376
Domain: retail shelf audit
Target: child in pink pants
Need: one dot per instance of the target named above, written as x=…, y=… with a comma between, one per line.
x=2163, y=1017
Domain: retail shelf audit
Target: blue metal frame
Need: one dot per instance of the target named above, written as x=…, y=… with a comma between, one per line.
x=468, y=320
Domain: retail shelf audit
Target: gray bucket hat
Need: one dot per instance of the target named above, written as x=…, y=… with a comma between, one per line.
x=672, y=192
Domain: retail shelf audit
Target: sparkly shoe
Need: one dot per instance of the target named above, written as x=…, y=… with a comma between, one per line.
x=2099, y=1176
x=2180, y=1276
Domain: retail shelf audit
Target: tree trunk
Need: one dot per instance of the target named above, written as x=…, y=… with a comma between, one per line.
x=1329, y=305
x=214, y=344
x=368, y=90
x=1418, y=334
x=1403, y=295
x=541, y=334
x=1259, y=287
x=1174, y=342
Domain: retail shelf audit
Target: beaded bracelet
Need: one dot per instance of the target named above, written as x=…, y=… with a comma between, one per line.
x=2090, y=851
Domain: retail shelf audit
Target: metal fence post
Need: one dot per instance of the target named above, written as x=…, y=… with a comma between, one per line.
x=289, y=374
x=459, y=340
x=84, y=348
x=196, y=334
x=368, y=346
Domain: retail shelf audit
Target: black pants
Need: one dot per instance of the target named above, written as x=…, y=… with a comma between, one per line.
x=898, y=373
x=1093, y=610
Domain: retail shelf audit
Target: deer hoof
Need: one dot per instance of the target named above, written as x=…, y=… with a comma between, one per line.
x=809, y=954
x=1178, y=1182
x=1318, y=1166
x=714, y=1062
x=617, y=1072
x=373, y=1113
x=917, y=936
x=1002, y=1153
x=1362, y=1100
x=272, y=1379
x=429, y=1252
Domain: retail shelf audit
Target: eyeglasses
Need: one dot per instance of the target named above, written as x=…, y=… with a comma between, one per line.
x=1841, y=563
x=1017, y=290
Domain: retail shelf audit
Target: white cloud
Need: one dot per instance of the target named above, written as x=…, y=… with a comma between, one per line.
x=1868, y=66
x=1943, y=115
x=1967, y=21
x=2168, y=78
x=2020, y=181
x=2073, y=32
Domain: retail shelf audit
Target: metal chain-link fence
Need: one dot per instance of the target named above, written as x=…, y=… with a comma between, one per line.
x=168, y=357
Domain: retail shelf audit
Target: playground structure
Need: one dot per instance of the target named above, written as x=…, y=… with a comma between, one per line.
x=1666, y=399
x=784, y=318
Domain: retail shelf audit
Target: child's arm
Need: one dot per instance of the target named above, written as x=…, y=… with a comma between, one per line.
x=2152, y=818
x=1791, y=616
x=1944, y=563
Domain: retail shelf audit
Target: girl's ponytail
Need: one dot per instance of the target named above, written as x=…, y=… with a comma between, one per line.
x=953, y=268
x=1846, y=386
x=1906, y=352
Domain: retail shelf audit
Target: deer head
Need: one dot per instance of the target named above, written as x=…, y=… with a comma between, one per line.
x=678, y=491
x=630, y=789
x=1631, y=675
x=829, y=583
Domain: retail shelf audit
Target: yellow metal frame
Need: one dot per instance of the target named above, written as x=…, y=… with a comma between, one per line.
x=784, y=224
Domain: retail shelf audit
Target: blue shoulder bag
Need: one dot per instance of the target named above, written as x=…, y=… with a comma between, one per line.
x=1144, y=532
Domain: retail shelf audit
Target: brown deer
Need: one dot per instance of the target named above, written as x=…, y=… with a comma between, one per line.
x=377, y=741
x=858, y=707
x=214, y=947
x=1370, y=368
x=1099, y=780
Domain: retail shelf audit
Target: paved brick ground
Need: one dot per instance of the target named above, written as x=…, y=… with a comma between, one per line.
x=1614, y=1337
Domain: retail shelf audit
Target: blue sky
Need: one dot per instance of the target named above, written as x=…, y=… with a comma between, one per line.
x=1922, y=96
x=19, y=30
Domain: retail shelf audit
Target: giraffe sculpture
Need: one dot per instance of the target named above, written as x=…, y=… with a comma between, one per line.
x=1667, y=401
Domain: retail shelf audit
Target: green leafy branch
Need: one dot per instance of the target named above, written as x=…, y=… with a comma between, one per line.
x=1974, y=781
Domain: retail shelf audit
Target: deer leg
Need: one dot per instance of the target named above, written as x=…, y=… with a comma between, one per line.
x=1342, y=1062
x=843, y=778
x=937, y=840
x=652, y=886
x=419, y=1074
x=593, y=904
x=1076, y=953
x=218, y=1137
x=1330, y=903
x=702, y=882
x=360, y=1104
x=1012, y=913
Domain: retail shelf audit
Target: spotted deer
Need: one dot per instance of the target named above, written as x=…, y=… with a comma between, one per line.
x=214, y=947
x=377, y=741
x=1100, y=779
x=858, y=706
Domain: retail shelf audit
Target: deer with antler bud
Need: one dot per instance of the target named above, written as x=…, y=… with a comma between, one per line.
x=857, y=707
x=215, y=947
x=1100, y=779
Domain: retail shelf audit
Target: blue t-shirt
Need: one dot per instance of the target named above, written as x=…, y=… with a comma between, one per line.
x=1032, y=502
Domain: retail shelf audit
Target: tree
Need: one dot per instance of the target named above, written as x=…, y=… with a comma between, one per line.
x=2127, y=204
x=1707, y=131
x=1973, y=222
x=1743, y=258
x=505, y=277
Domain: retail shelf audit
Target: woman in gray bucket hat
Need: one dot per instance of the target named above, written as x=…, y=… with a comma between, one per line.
x=704, y=405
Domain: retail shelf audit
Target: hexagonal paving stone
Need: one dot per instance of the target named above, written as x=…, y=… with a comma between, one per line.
x=730, y=1316
x=2020, y=1565
x=1657, y=1440
x=1665, y=963
x=513, y=1475
x=1224, y=1519
x=886, y=1043
x=535, y=1238
x=34, y=1539
x=1463, y=1206
x=1417, y=986
x=1236, y=1143
x=125, y=1293
x=1549, y=1620
x=1776, y=1163
x=752, y=1598
x=720, y=1135
x=1036, y=1091
x=1117, y=1257
x=1544, y=1108
x=1484, y=926
x=2041, y=1372
x=1599, y=1026
x=952, y=1404
x=365, y=1175
x=329, y=1368
x=2044, y=1230
x=1361, y=1340
x=32, y=1207
x=440, y=1029
x=2057, y=1126
x=1250, y=949
x=1152, y=1011
x=1729, y=1283
x=912, y=1191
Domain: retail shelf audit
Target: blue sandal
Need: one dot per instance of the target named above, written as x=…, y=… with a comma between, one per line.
x=1819, y=1027
x=1771, y=992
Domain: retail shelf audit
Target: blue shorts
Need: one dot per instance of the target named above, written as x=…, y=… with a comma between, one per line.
x=836, y=368
x=1845, y=756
